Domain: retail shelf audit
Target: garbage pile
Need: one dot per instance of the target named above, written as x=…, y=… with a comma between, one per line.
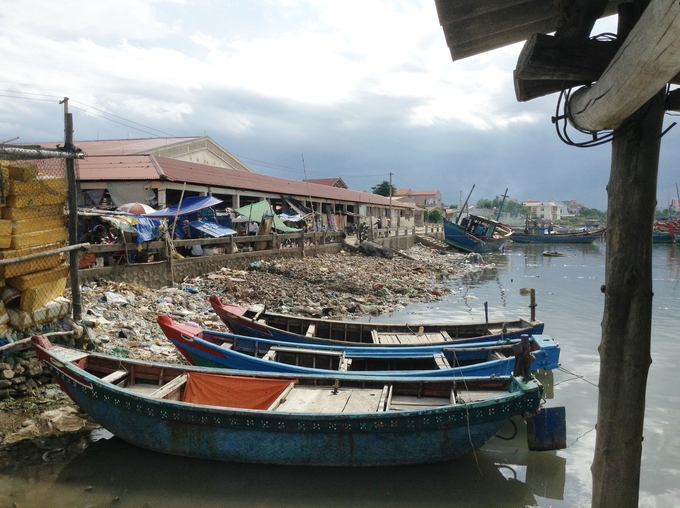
x=120, y=318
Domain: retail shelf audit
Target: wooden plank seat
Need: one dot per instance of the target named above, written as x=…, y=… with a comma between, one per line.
x=325, y=399
x=441, y=361
x=171, y=387
x=115, y=376
x=410, y=337
x=304, y=351
x=270, y=355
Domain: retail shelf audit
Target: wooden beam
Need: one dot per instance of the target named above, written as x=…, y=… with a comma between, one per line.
x=459, y=10
x=472, y=27
x=548, y=57
x=549, y=64
x=647, y=60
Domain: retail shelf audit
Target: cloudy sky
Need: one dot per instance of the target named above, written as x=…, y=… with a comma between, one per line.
x=357, y=89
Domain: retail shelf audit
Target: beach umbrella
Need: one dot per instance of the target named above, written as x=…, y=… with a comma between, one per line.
x=135, y=208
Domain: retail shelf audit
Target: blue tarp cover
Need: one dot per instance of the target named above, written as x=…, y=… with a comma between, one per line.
x=147, y=229
x=211, y=228
x=188, y=206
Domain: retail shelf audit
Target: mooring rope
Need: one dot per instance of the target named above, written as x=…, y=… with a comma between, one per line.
x=576, y=376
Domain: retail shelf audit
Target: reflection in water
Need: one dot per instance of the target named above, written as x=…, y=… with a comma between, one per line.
x=111, y=470
x=75, y=471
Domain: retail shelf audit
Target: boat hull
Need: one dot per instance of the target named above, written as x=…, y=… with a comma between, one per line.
x=554, y=239
x=209, y=348
x=288, y=328
x=456, y=236
x=380, y=438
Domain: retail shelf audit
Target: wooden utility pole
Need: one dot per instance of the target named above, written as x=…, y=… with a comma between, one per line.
x=74, y=255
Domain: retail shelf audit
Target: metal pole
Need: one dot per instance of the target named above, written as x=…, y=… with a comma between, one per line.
x=390, y=217
x=74, y=255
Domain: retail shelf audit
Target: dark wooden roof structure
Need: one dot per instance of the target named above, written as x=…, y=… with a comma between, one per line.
x=641, y=65
x=623, y=86
x=472, y=27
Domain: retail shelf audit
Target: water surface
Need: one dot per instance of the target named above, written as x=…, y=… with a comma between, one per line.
x=503, y=474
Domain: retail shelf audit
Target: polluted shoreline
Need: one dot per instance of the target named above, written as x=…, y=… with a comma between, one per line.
x=120, y=319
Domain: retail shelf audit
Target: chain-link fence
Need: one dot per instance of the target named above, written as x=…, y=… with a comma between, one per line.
x=34, y=268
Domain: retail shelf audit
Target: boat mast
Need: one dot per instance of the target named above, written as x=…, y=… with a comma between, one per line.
x=465, y=204
x=500, y=209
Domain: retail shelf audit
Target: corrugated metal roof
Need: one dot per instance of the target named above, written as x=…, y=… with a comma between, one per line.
x=121, y=167
x=181, y=171
x=333, y=182
x=122, y=146
x=146, y=167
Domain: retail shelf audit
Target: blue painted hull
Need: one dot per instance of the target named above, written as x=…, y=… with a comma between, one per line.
x=662, y=237
x=206, y=348
x=557, y=238
x=456, y=236
x=390, y=437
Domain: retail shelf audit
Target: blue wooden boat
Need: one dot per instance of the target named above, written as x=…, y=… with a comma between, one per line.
x=546, y=235
x=310, y=330
x=211, y=348
x=476, y=234
x=288, y=420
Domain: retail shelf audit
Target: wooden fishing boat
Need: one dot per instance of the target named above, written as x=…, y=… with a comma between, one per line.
x=476, y=234
x=290, y=420
x=310, y=330
x=211, y=348
x=543, y=235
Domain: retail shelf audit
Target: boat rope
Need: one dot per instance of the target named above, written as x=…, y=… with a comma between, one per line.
x=576, y=376
x=467, y=414
x=513, y=434
x=582, y=435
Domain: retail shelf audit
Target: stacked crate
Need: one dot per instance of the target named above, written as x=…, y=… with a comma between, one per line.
x=33, y=220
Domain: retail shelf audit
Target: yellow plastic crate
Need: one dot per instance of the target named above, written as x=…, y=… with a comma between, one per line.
x=34, y=298
x=35, y=279
x=39, y=238
x=33, y=212
x=42, y=184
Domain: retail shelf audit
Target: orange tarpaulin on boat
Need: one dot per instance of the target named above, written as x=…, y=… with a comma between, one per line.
x=233, y=391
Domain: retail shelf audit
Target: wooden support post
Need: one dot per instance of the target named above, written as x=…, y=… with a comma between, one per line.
x=626, y=324
x=74, y=255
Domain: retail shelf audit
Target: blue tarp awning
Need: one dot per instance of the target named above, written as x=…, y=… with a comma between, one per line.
x=211, y=228
x=187, y=206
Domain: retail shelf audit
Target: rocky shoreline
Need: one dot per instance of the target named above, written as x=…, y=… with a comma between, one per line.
x=120, y=318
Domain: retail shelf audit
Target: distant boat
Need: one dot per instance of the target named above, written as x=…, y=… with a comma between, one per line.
x=212, y=348
x=548, y=235
x=476, y=234
x=553, y=254
x=665, y=231
x=287, y=419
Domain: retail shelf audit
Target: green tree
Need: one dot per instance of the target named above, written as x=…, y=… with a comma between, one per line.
x=383, y=188
x=510, y=206
x=434, y=215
